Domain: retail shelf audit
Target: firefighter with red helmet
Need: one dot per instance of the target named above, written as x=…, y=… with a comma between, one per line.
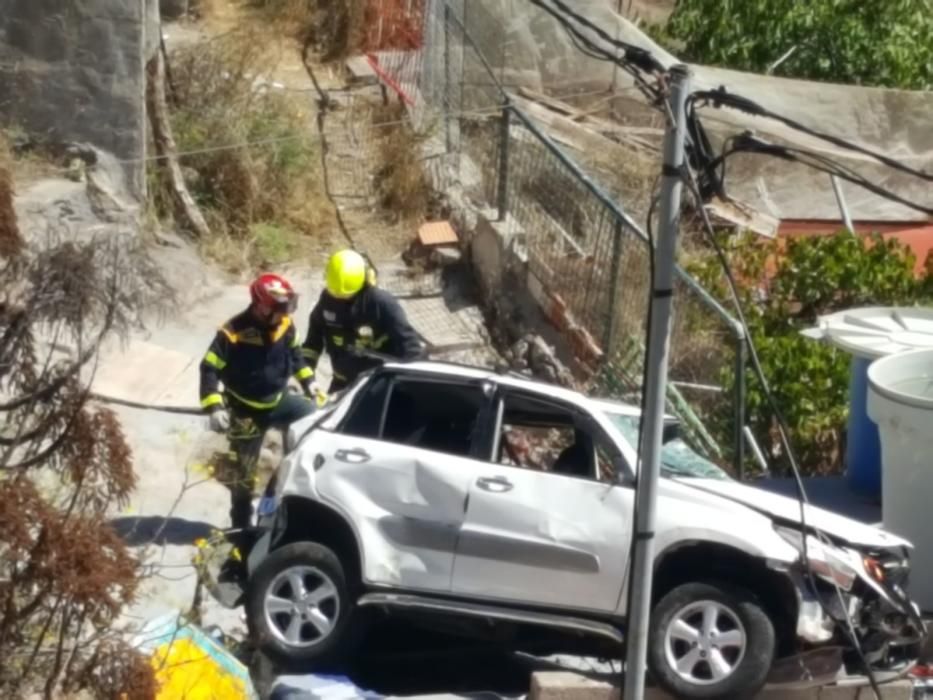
x=253, y=356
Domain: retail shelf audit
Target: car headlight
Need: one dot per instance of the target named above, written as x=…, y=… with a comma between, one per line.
x=830, y=563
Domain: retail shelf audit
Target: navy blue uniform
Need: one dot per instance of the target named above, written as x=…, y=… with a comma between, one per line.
x=371, y=320
x=254, y=364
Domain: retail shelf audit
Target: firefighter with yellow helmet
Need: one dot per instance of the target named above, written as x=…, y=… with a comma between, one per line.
x=354, y=314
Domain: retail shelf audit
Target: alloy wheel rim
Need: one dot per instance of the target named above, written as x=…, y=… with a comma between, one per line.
x=301, y=606
x=705, y=642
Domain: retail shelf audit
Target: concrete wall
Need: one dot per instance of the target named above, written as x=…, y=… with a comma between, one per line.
x=74, y=71
x=570, y=686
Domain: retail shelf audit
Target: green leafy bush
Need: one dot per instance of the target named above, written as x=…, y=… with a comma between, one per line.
x=785, y=286
x=887, y=43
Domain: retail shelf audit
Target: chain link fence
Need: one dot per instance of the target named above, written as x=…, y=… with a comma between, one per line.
x=588, y=259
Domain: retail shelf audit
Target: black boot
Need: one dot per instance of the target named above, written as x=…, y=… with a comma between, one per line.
x=241, y=510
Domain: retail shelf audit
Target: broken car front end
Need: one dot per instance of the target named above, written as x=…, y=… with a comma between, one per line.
x=856, y=598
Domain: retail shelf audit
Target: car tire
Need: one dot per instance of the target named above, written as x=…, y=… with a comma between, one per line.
x=710, y=641
x=299, y=608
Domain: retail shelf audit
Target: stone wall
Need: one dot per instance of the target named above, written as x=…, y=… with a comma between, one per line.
x=74, y=71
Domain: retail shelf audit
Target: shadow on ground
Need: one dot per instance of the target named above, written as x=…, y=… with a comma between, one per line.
x=403, y=660
x=141, y=531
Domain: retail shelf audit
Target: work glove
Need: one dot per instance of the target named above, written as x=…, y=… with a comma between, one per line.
x=219, y=421
x=313, y=392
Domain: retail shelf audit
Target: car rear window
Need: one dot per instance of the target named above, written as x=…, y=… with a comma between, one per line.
x=432, y=415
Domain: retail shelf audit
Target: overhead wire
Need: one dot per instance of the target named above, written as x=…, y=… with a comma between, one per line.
x=749, y=143
x=720, y=97
x=590, y=48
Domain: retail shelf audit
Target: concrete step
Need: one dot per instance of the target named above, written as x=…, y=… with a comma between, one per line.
x=561, y=685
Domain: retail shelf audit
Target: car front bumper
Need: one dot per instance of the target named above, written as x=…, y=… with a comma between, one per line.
x=887, y=626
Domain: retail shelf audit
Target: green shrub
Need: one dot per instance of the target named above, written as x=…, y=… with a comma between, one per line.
x=785, y=286
x=887, y=43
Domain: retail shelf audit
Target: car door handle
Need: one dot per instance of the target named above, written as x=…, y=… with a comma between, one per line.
x=354, y=456
x=495, y=484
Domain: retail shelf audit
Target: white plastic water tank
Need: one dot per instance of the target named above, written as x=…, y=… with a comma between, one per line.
x=900, y=401
x=867, y=334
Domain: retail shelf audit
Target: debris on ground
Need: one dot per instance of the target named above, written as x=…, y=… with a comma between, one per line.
x=532, y=355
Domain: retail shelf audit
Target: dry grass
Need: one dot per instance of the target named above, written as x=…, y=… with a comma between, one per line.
x=402, y=185
x=335, y=28
x=262, y=170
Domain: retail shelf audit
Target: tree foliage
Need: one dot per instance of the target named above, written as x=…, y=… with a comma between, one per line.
x=887, y=43
x=65, y=575
x=786, y=286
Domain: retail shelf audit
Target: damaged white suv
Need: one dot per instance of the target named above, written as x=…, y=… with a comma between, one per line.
x=503, y=507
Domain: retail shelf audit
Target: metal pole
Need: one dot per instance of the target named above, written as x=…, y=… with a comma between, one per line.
x=841, y=201
x=503, y=192
x=446, y=98
x=640, y=580
x=739, y=408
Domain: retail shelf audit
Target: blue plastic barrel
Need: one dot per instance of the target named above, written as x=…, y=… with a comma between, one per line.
x=863, y=444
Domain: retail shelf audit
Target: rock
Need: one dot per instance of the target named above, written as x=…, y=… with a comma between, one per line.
x=75, y=71
x=445, y=256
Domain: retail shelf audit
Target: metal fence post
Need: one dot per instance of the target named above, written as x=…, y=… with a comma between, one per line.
x=615, y=280
x=502, y=198
x=446, y=99
x=739, y=408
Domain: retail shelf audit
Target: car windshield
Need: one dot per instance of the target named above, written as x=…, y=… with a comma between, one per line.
x=677, y=457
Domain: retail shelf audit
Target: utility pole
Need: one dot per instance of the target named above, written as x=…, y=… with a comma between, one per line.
x=649, y=474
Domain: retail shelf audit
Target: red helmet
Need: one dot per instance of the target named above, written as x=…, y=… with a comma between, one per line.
x=273, y=294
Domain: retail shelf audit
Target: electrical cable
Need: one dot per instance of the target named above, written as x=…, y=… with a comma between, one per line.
x=635, y=55
x=324, y=103
x=720, y=97
x=634, y=62
x=181, y=410
x=749, y=143
x=693, y=185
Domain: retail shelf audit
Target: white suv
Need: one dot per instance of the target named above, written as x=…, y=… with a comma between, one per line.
x=503, y=505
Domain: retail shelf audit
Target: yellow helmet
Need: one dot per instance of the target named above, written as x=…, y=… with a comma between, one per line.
x=346, y=274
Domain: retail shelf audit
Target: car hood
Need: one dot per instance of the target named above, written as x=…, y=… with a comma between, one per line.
x=785, y=509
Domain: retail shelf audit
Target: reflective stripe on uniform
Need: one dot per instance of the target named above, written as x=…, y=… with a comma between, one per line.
x=295, y=342
x=380, y=341
x=211, y=400
x=304, y=373
x=282, y=329
x=261, y=405
x=214, y=360
x=310, y=354
x=338, y=340
x=231, y=336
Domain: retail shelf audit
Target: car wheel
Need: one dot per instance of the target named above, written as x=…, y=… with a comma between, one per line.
x=710, y=641
x=298, y=606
